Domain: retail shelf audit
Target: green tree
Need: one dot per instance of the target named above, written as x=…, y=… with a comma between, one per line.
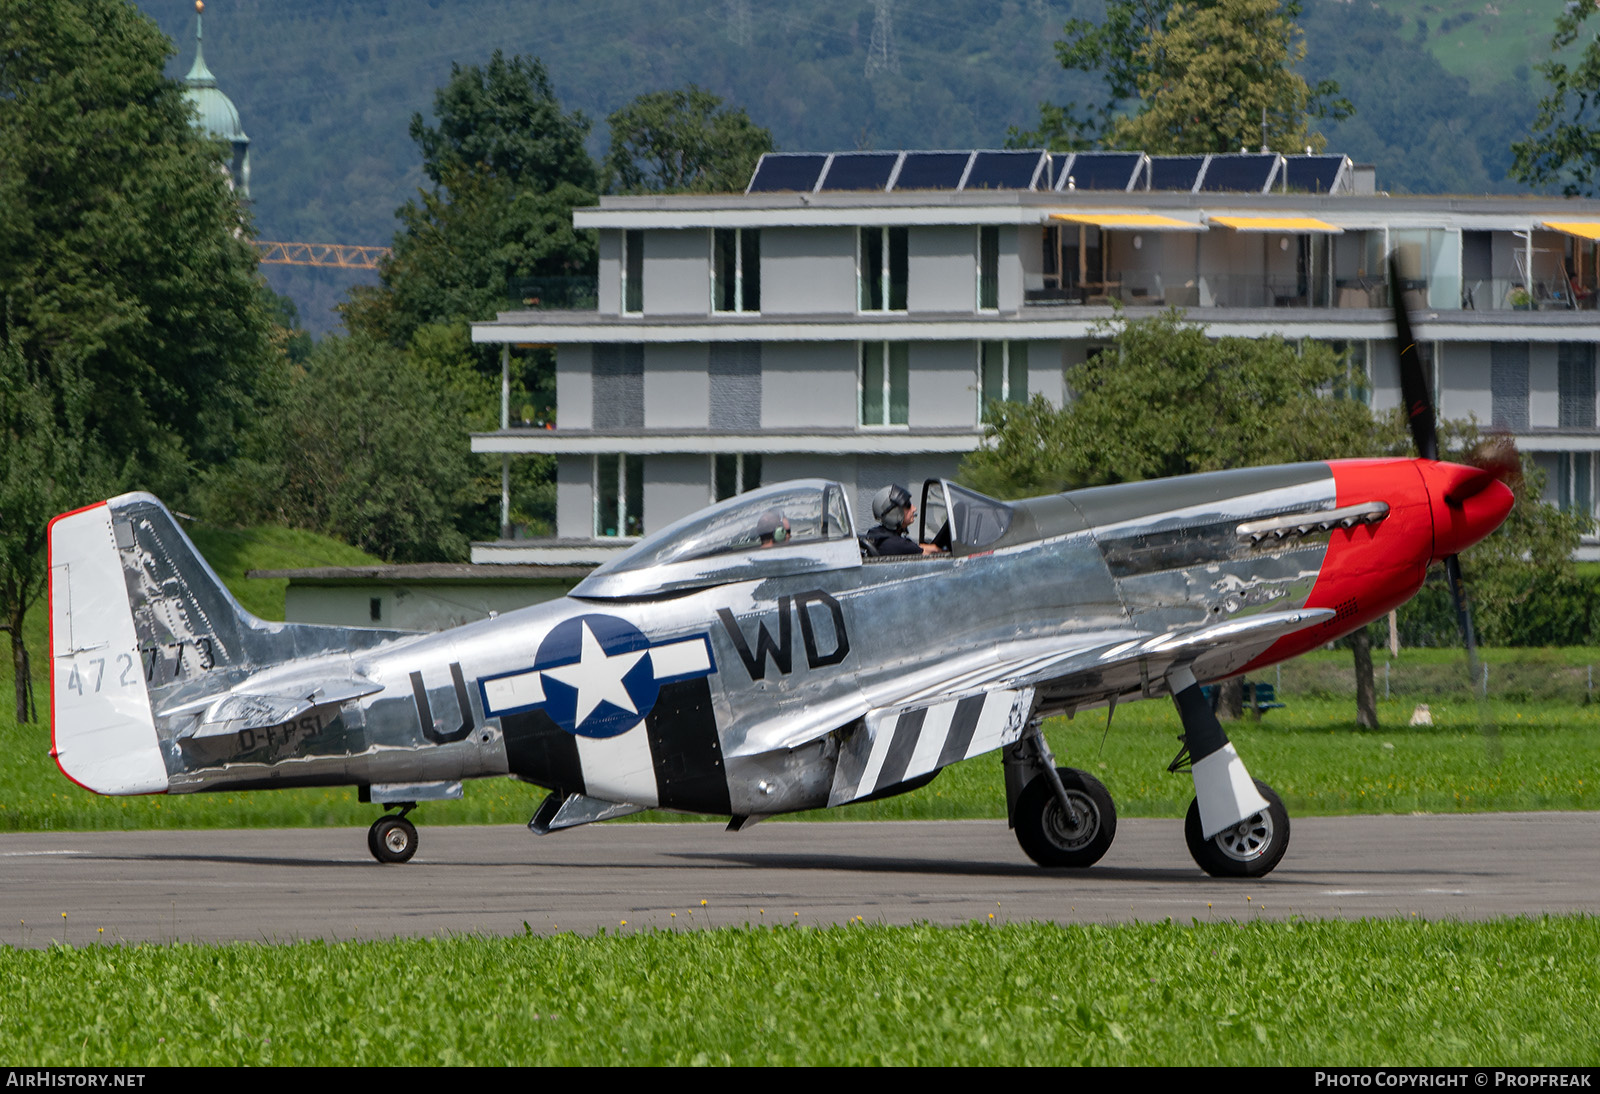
x=508, y=167
x=1564, y=147
x=1166, y=399
x=1214, y=75
x=122, y=249
x=468, y=250
x=1215, y=60
x=134, y=339
x=49, y=463
x=504, y=121
x=682, y=141
x=370, y=444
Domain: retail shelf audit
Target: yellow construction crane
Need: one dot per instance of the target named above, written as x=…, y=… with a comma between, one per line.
x=341, y=256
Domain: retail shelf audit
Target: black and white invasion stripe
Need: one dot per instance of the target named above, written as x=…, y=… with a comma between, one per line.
x=897, y=745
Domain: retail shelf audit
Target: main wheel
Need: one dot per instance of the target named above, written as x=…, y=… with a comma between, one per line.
x=392, y=839
x=1049, y=837
x=1250, y=848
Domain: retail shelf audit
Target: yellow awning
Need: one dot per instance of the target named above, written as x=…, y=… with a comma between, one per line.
x=1148, y=221
x=1583, y=229
x=1277, y=224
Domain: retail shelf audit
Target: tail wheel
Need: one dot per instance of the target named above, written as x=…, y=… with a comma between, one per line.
x=1250, y=848
x=392, y=839
x=1051, y=837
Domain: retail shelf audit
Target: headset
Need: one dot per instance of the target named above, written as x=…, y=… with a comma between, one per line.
x=890, y=505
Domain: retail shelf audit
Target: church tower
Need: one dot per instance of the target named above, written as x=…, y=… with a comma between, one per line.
x=217, y=115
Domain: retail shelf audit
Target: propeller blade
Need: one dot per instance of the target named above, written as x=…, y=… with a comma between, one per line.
x=1414, y=390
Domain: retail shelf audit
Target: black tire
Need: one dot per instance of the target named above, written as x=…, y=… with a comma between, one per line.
x=1042, y=826
x=1248, y=849
x=392, y=839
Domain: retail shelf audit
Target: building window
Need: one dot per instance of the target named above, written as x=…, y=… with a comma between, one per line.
x=633, y=272
x=885, y=383
x=618, y=496
x=736, y=269
x=733, y=474
x=1002, y=373
x=618, y=373
x=1574, y=485
x=1508, y=385
x=1575, y=383
x=1072, y=257
x=988, y=268
x=882, y=269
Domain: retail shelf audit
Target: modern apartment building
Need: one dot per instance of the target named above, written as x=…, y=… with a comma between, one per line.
x=850, y=315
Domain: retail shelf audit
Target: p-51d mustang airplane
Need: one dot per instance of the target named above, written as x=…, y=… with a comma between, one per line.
x=708, y=672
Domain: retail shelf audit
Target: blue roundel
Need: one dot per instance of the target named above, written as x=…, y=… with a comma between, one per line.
x=597, y=675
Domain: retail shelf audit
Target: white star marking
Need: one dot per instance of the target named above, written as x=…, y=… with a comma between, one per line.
x=597, y=676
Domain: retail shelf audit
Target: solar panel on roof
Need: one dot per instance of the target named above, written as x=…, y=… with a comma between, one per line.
x=932, y=170
x=1313, y=174
x=1175, y=172
x=1099, y=171
x=1248, y=173
x=1003, y=171
x=779, y=171
x=859, y=171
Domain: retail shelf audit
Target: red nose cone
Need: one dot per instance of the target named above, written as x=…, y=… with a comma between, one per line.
x=1468, y=504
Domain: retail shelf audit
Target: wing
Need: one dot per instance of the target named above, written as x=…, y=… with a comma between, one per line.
x=981, y=701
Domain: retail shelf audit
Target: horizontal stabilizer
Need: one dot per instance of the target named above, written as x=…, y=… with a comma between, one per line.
x=230, y=713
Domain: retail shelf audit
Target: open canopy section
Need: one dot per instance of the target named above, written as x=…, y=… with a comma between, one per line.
x=803, y=526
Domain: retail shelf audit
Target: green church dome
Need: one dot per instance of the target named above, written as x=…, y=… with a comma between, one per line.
x=215, y=113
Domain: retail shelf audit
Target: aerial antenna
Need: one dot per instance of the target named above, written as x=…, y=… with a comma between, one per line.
x=882, y=56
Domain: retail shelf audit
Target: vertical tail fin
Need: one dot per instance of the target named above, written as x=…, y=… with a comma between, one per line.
x=136, y=615
x=142, y=628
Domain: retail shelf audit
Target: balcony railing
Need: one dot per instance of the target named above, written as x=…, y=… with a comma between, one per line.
x=1147, y=288
x=1513, y=294
x=553, y=293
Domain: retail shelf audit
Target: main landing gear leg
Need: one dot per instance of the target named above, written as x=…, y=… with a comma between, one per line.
x=1062, y=816
x=392, y=838
x=1236, y=826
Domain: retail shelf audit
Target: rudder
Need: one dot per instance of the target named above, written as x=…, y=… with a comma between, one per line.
x=135, y=615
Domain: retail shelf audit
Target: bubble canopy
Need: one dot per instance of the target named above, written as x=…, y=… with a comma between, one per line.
x=802, y=526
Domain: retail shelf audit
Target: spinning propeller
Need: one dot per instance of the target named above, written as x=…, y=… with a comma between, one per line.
x=1495, y=459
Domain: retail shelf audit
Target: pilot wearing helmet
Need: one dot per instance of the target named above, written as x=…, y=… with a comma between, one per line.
x=893, y=510
x=773, y=529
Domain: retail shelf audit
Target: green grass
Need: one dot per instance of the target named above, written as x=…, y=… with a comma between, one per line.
x=1512, y=992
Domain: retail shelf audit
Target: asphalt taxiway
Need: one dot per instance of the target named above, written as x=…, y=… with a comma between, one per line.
x=283, y=885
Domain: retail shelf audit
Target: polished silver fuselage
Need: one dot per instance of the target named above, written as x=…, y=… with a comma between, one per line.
x=794, y=661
